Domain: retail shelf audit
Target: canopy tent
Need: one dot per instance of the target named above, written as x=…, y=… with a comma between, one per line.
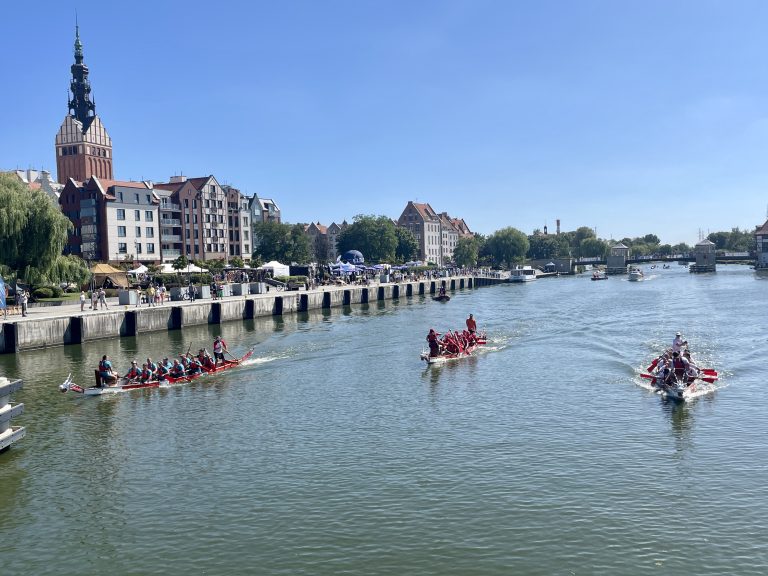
x=167, y=268
x=140, y=270
x=107, y=276
x=276, y=268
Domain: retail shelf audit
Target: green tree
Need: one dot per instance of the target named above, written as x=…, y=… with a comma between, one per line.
x=592, y=247
x=544, y=247
x=282, y=242
x=374, y=236
x=180, y=263
x=407, y=246
x=236, y=261
x=507, y=246
x=467, y=251
x=33, y=231
x=320, y=248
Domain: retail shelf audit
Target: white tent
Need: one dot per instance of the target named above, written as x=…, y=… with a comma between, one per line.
x=276, y=268
x=167, y=268
x=140, y=270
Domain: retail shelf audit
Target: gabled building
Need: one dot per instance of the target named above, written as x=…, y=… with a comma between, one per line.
x=264, y=210
x=449, y=236
x=203, y=223
x=239, y=221
x=83, y=147
x=425, y=225
x=40, y=180
x=333, y=232
x=113, y=221
x=322, y=240
x=761, y=250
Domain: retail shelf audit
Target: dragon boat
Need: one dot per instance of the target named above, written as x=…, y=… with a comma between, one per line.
x=454, y=346
x=677, y=384
x=126, y=385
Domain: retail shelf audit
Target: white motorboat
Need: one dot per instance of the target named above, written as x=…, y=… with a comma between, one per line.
x=522, y=274
x=635, y=274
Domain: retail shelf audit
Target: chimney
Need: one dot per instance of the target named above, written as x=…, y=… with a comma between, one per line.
x=558, y=226
x=178, y=179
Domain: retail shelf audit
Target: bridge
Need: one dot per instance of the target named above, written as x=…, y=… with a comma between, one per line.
x=722, y=258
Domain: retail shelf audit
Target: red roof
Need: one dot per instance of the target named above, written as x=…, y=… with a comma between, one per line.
x=763, y=230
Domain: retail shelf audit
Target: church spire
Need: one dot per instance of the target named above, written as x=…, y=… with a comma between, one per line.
x=80, y=105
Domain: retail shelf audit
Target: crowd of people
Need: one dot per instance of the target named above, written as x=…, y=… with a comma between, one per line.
x=186, y=365
x=453, y=342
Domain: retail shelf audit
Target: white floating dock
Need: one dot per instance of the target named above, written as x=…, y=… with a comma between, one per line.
x=8, y=433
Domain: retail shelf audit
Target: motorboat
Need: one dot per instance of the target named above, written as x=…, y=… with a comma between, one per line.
x=635, y=274
x=522, y=274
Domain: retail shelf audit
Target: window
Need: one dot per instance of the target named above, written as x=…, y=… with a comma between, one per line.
x=120, y=196
x=245, y=234
x=136, y=197
x=138, y=248
x=186, y=218
x=149, y=200
x=121, y=231
x=197, y=249
x=150, y=247
x=150, y=232
x=186, y=202
x=149, y=216
x=137, y=215
x=122, y=248
x=194, y=204
x=213, y=190
x=120, y=214
x=138, y=231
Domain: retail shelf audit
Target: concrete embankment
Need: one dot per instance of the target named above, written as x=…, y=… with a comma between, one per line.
x=67, y=324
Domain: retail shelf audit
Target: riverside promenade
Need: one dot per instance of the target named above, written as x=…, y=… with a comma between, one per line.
x=46, y=326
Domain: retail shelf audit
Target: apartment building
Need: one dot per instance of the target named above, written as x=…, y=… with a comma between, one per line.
x=113, y=220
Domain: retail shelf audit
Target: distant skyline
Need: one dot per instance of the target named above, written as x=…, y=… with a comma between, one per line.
x=630, y=117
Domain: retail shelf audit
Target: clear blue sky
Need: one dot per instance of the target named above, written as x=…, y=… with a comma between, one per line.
x=631, y=117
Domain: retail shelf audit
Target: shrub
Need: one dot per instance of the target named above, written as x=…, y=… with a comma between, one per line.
x=43, y=292
x=57, y=291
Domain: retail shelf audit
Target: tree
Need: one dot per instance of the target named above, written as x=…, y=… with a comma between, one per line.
x=507, y=246
x=33, y=231
x=282, y=242
x=407, y=246
x=544, y=247
x=466, y=251
x=180, y=263
x=320, y=249
x=374, y=236
x=593, y=247
x=236, y=261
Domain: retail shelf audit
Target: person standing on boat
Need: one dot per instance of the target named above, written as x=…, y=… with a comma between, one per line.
x=219, y=347
x=434, y=345
x=106, y=372
x=678, y=343
x=471, y=324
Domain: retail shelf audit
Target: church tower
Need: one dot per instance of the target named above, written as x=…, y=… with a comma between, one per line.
x=83, y=147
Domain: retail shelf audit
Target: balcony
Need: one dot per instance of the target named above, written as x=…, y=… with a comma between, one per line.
x=170, y=254
x=170, y=237
x=168, y=207
x=170, y=222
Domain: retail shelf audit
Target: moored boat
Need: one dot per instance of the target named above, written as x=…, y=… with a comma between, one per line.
x=125, y=385
x=522, y=274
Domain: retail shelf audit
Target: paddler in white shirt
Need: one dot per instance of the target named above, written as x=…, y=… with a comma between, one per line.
x=678, y=343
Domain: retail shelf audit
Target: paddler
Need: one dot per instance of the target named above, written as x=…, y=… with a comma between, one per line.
x=194, y=366
x=678, y=343
x=471, y=324
x=146, y=373
x=151, y=365
x=178, y=370
x=134, y=372
x=434, y=345
x=106, y=372
x=219, y=347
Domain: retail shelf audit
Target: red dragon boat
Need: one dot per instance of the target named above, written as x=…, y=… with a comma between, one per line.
x=454, y=346
x=126, y=385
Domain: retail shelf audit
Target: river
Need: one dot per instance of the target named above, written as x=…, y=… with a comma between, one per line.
x=336, y=451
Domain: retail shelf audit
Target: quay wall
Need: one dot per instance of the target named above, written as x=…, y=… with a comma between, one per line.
x=116, y=322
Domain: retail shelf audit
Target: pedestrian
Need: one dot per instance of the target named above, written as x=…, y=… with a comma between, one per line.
x=94, y=299
x=24, y=298
x=162, y=294
x=103, y=298
x=82, y=301
x=151, y=295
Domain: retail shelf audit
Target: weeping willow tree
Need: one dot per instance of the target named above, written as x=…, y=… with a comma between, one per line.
x=33, y=232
